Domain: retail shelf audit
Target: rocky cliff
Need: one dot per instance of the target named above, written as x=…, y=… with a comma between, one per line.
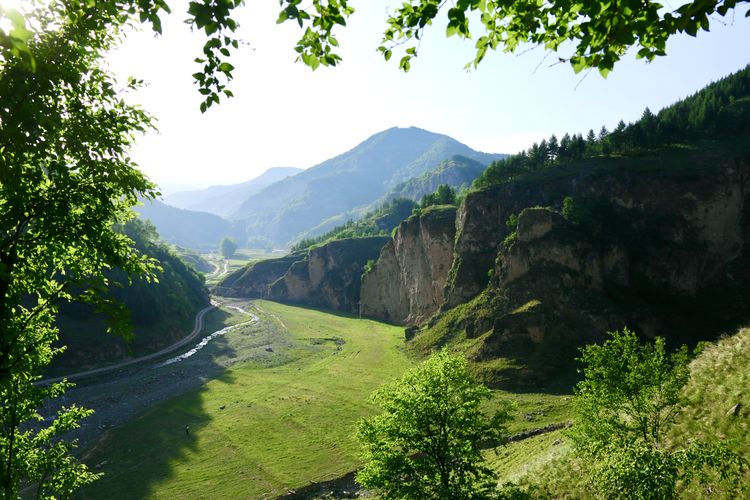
x=327, y=276
x=706, y=199
x=330, y=275
x=255, y=280
x=406, y=284
x=663, y=251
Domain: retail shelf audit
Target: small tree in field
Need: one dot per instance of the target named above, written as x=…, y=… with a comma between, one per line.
x=630, y=396
x=426, y=443
x=228, y=247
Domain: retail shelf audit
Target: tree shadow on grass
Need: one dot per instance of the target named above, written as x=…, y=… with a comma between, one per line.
x=164, y=410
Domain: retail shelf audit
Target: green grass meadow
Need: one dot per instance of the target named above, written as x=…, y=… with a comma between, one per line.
x=258, y=431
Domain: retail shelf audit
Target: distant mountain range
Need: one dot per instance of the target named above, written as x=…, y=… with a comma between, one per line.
x=283, y=211
x=284, y=204
x=188, y=228
x=226, y=200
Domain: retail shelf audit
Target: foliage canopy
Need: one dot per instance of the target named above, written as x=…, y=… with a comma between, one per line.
x=228, y=246
x=65, y=182
x=629, y=398
x=426, y=443
x=588, y=34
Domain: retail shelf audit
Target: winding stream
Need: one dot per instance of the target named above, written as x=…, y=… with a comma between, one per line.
x=204, y=342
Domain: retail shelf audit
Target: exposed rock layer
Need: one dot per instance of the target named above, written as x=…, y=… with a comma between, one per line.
x=406, y=284
x=666, y=253
x=330, y=276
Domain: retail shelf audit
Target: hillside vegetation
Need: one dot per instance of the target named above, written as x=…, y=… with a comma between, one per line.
x=285, y=210
x=161, y=313
x=716, y=409
x=457, y=172
x=720, y=111
x=380, y=221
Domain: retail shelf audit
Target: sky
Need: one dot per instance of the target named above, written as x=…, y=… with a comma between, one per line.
x=284, y=114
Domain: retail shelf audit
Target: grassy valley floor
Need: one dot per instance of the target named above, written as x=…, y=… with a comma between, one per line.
x=266, y=424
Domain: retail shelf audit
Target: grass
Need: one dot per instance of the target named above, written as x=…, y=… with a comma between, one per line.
x=719, y=381
x=258, y=431
x=520, y=459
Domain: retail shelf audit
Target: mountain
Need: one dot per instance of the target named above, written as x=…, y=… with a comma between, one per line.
x=647, y=226
x=284, y=210
x=188, y=228
x=224, y=200
x=457, y=172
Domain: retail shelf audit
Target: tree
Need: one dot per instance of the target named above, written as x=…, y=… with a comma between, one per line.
x=443, y=195
x=65, y=183
x=228, y=246
x=629, y=398
x=595, y=34
x=426, y=443
x=553, y=148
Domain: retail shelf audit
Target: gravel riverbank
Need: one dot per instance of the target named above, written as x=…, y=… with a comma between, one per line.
x=119, y=396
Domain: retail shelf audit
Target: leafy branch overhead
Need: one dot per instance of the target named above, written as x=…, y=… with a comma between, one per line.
x=588, y=33
x=214, y=17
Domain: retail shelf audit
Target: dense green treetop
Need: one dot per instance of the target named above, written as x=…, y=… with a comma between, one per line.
x=228, y=246
x=630, y=396
x=719, y=111
x=65, y=182
x=427, y=442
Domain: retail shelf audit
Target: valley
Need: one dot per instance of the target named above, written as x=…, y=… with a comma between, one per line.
x=545, y=253
x=409, y=318
x=247, y=397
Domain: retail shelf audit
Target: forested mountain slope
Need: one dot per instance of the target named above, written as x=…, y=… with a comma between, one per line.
x=286, y=209
x=457, y=172
x=161, y=313
x=188, y=228
x=646, y=226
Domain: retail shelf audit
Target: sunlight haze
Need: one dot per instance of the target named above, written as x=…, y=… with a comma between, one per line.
x=284, y=114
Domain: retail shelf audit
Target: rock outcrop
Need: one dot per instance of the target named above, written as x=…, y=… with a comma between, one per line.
x=705, y=204
x=330, y=275
x=255, y=280
x=405, y=286
x=664, y=254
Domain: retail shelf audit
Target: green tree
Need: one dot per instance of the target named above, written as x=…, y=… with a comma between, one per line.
x=590, y=34
x=443, y=195
x=228, y=246
x=629, y=398
x=65, y=182
x=426, y=443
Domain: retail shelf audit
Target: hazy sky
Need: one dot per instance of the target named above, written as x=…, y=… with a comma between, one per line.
x=284, y=114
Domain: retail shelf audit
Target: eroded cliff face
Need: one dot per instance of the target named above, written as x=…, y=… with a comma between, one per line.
x=254, y=280
x=406, y=284
x=330, y=276
x=663, y=254
x=705, y=205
